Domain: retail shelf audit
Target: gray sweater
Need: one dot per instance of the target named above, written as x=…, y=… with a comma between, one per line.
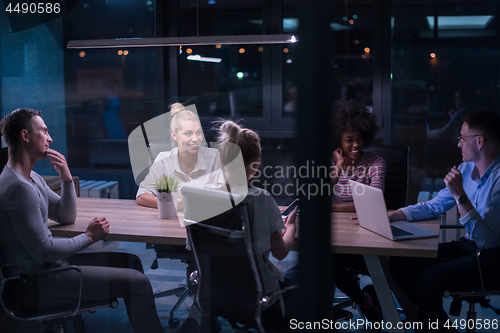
x=25, y=240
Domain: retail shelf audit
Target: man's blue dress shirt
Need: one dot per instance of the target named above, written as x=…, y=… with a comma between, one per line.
x=483, y=222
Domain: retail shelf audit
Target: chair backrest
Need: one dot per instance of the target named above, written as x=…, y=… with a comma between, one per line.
x=229, y=280
x=490, y=286
x=3, y=157
x=397, y=173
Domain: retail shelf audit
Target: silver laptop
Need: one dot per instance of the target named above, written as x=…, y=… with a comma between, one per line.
x=372, y=215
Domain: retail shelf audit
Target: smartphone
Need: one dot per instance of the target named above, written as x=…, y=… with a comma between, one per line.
x=290, y=208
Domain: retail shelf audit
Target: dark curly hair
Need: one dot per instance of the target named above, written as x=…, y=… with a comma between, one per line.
x=351, y=116
x=13, y=123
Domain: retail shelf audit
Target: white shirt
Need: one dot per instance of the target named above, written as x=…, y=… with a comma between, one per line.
x=207, y=170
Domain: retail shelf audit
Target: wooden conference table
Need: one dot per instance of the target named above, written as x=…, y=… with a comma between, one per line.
x=134, y=223
x=349, y=238
x=128, y=221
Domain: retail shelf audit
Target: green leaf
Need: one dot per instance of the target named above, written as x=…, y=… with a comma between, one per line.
x=167, y=184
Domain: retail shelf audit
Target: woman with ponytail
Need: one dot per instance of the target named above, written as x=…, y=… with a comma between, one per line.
x=264, y=212
x=270, y=235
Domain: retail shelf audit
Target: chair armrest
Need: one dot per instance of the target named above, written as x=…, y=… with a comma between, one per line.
x=51, y=270
x=1, y=270
x=188, y=222
x=271, y=297
x=25, y=276
x=292, y=287
x=478, y=254
x=217, y=230
x=451, y=226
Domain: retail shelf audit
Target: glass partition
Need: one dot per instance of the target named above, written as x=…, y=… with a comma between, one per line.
x=223, y=80
x=109, y=92
x=441, y=55
x=215, y=18
x=99, y=19
x=444, y=63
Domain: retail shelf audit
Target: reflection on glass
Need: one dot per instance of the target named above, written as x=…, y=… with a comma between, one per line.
x=439, y=73
x=352, y=37
x=219, y=18
x=292, y=102
x=98, y=19
x=229, y=87
x=352, y=27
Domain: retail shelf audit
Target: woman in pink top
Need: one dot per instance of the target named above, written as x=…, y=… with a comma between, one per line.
x=355, y=129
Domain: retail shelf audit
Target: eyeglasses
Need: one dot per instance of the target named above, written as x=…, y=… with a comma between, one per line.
x=461, y=138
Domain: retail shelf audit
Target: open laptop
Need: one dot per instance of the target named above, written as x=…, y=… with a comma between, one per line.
x=372, y=215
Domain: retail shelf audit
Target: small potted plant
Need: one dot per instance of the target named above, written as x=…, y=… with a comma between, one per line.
x=167, y=195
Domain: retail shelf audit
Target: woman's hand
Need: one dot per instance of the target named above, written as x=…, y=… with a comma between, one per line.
x=290, y=219
x=338, y=157
x=290, y=223
x=282, y=243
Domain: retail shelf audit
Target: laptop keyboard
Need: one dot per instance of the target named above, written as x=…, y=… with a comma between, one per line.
x=396, y=232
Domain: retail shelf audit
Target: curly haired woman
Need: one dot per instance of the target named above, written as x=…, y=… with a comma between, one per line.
x=355, y=129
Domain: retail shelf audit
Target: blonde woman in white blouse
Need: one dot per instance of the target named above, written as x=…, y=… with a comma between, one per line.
x=189, y=161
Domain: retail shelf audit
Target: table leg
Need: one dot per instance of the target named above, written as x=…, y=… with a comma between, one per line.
x=409, y=308
x=378, y=276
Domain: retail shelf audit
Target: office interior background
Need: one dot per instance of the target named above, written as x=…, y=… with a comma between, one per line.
x=403, y=59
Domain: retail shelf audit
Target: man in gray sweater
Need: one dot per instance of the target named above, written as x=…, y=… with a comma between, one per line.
x=26, y=243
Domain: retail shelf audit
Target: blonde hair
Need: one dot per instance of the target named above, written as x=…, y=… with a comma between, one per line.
x=246, y=139
x=179, y=115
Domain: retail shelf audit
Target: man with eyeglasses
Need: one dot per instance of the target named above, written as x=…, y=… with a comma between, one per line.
x=474, y=187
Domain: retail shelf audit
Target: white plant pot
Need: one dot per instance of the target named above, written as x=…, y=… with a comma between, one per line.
x=167, y=205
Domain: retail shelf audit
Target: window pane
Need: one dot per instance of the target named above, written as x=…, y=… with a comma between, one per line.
x=98, y=19
x=109, y=92
x=440, y=71
x=221, y=17
x=290, y=89
x=352, y=61
x=232, y=86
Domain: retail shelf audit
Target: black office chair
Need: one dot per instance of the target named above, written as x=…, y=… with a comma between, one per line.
x=12, y=289
x=228, y=279
x=176, y=252
x=474, y=297
x=4, y=156
x=396, y=175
